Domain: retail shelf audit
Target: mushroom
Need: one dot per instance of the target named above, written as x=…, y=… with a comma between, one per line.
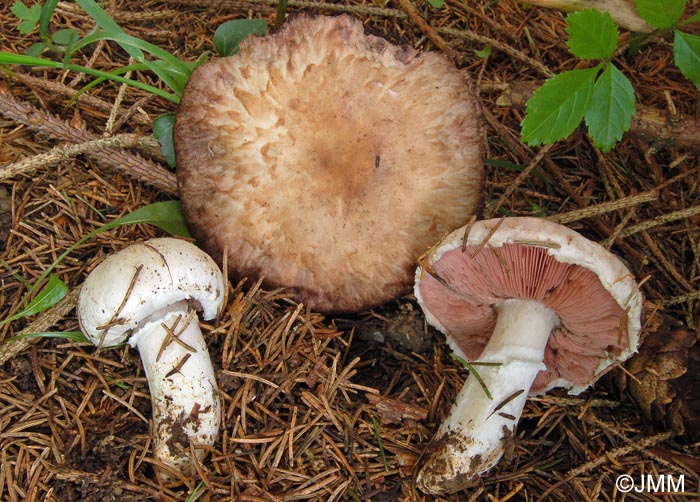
x=326, y=160
x=148, y=294
x=533, y=305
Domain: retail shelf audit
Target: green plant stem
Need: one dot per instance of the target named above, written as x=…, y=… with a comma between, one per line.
x=281, y=12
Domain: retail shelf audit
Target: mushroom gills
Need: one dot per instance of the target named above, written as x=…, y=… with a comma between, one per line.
x=477, y=431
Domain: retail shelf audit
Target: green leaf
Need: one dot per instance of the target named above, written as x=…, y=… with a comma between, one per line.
x=36, y=49
x=54, y=290
x=27, y=60
x=163, y=132
x=686, y=52
x=611, y=108
x=229, y=35
x=165, y=215
x=437, y=3
x=558, y=106
x=26, y=27
x=65, y=37
x=661, y=13
x=106, y=23
x=692, y=19
x=592, y=34
x=24, y=13
x=171, y=70
x=485, y=52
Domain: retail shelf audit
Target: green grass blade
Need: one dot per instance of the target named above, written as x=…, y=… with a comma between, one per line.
x=378, y=437
x=105, y=22
x=45, y=18
x=173, y=72
x=74, y=336
x=99, y=80
x=19, y=59
x=51, y=294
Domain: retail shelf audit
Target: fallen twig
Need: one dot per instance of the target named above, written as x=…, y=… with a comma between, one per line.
x=134, y=165
x=605, y=207
x=64, y=152
x=410, y=9
x=621, y=11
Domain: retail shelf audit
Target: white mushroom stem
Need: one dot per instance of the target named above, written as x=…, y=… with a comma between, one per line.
x=478, y=429
x=184, y=395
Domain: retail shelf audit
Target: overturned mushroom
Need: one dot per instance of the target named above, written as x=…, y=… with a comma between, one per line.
x=539, y=303
x=326, y=160
x=148, y=294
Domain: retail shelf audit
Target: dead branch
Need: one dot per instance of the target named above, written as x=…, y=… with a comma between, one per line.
x=134, y=165
x=622, y=11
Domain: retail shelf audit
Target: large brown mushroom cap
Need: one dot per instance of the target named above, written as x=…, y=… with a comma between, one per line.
x=326, y=160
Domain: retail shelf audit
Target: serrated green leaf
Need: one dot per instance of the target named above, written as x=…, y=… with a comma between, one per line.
x=661, y=13
x=163, y=132
x=611, y=108
x=558, y=106
x=229, y=35
x=592, y=34
x=686, y=52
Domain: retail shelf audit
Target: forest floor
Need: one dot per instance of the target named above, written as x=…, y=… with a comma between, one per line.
x=315, y=409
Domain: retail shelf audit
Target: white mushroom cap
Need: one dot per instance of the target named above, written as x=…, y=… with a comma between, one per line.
x=588, y=287
x=150, y=276
x=326, y=160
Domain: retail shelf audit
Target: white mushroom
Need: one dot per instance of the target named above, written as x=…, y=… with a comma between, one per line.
x=148, y=293
x=545, y=305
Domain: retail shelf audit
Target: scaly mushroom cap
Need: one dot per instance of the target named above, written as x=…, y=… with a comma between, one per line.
x=595, y=296
x=326, y=160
